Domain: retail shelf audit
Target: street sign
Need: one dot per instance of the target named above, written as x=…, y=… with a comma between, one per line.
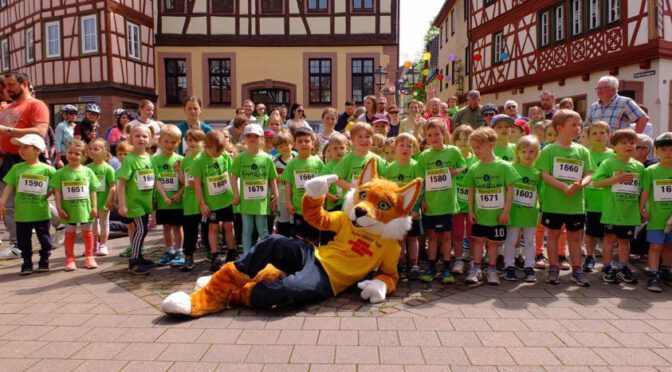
x=89, y=98
x=639, y=75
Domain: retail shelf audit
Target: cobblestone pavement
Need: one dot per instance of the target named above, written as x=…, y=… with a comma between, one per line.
x=108, y=320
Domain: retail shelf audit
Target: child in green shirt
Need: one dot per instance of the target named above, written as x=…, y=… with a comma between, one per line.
x=620, y=177
x=192, y=214
x=333, y=152
x=283, y=142
x=75, y=191
x=490, y=183
x=461, y=224
x=29, y=181
x=566, y=168
x=502, y=125
x=257, y=173
x=169, y=191
x=350, y=167
x=300, y=170
x=104, y=193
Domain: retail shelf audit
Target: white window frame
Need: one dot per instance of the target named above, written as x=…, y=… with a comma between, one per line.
x=134, y=45
x=452, y=22
x=613, y=11
x=91, y=37
x=559, y=13
x=544, y=28
x=594, y=21
x=497, y=46
x=48, y=42
x=577, y=17
x=4, y=55
x=30, y=45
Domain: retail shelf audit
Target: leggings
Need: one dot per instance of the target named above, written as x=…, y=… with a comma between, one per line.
x=190, y=226
x=72, y=227
x=459, y=230
x=510, y=245
x=249, y=223
x=139, y=237
x=101, y=225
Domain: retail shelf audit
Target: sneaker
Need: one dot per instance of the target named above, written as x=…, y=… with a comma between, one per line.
x=216, y=262
x=529, y=275
x=539, y=262
x=70, y=264
x=510, y=274
x=654, y=283
x=231, y=255
x=188, y=263
x=43, y=266
x=579, y=277
x=166, y=259
x=553, y=276
x=475, y=275
x=500, y=262
x=146, y=262
x=10, y=253
x=26, y=269
x=493, y=276
x=428, y=275
x=626, y=275
x=96, y=250
x=126, y=252
x=91, y=263
x=178, y=259
x=447, y=277
x=139, y=269
x=608, y=275
x=103, y=250
x=589, y=264
x=58, y=239
x=458, y=267
x=414, y=273
x=564, y=264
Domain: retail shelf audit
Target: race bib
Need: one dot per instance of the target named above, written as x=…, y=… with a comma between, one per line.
x=525, y=195
x=255, y=189
x=438, y=179
x=490, y=198
x=101, y=181
x=662, y=190
x=145, y=179
x=301, y=176
x=567, y=169
x=462, y=193
x=169, y=181
x=218, y=184
x=75, y=190
x=630, y=188
x=33, y=184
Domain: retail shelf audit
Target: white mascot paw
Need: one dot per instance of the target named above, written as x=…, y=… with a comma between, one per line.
x=373, y=290
x=319, y=186
x=178, y=303
x=202, y=282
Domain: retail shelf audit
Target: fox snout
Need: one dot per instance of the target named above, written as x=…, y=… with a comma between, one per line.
x=360, y=212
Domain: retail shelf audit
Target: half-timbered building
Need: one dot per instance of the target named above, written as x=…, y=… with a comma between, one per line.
x=81, y=51
x=453, y=54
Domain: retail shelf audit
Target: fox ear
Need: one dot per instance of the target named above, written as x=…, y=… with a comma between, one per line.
x=410, y=193
x=370, y=172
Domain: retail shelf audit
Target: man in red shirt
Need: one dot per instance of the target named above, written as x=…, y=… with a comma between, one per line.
x=433, y=110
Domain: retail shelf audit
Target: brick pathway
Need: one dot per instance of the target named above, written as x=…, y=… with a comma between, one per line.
x=107, y=320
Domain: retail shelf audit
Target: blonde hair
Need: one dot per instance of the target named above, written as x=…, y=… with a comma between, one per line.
x=535, y=109
x=171, y=131
x=105, y=145
x=361, y=126
x=462, y=129
x=562, y=116
x=138, y=127
x=334, y=139
x=598, y=124
x=379, y=138
x=523, y=142
x=483, y=135
x=82, y=146
x=408, y=138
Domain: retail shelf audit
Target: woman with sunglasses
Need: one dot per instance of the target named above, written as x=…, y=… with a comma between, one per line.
x=394, y=121
x=297, y=118
x=65, y=131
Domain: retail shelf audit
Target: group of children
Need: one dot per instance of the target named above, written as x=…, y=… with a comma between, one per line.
x=494, y=185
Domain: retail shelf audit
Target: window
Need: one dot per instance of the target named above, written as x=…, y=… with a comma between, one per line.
x=560, y=23
x=30, y=45
x=222, y=6
x=594, y=14
x=613, y=11
x=577, y=17
x=362, y=4
x=362, y=79
x=452, y=72
x=89, y=34
x=173, y=6
x=544, y=25
x=4, y=54
x=441, y=37
x=220, y=81
x=466, y=9
x=271, y=6
x=176, y=80
x=52, y=32
x=497, y=47
x=447, y=81
x=318, y=5
x=467, y=61
x=319, y=81
x=133, y=37
x=446, y=29
x=452, y=22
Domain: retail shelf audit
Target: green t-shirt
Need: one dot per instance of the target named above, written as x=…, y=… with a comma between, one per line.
x=620, y=200
x=254, y=172
x=490, y=181
x=434, y=167
x=461, y=190
x=138, y=172
x=403, y=174
x=76, y=187
x=330, y=168
x=106, y=178
x=31, y=185
x=592, y=194
x=525, y=206
x=215, y=179
x=568, y=165
x=296, y=174
x=507, y=153
x=657, y=181
x=350, y=167
x=164, y=167
x=189, y=201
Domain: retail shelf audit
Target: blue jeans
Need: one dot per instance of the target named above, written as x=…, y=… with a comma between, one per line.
x=249, y=223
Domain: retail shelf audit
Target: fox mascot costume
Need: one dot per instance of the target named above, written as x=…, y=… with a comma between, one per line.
x=281, y=271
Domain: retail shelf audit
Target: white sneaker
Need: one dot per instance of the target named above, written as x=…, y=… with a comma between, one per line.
x=10, y=253
x=58, y=239
x=103, y=250
x=492, y=277
x=458, y=267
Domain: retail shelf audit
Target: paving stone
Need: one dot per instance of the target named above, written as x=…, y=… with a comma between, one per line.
x=56, y=365
x=378, y=338
x=577, y=356
x=488, y=356
x=298, y=337
x=101, y=365
x=20, y=349
x=57, y=350
x=17, y=364
x=100, y=350
x=313, y=354
x=65, y=333
x=328, y=337
x=533, y=356
x=269, y=354
x=141, y=351
x=227, y=353
x=258, y=337
x=219, y=336
x=400, y=355
x=459, y=338
x=193, y=366
x=180, y=335
x=184, y=352
x=357, y=355
x=499, y=339
x=143, y=366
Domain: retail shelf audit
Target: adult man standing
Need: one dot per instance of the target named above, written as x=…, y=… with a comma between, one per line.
x=471, y=113
x=615, y=110
x=382, y=105
x=511, y=109
x=434, y=111
x=547, y=99
x=25, y=115
x=345, y=116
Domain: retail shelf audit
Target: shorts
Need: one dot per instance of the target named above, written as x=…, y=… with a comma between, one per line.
x=554, y=221
x=594, y=227
x=125, y=220
x=491, y=233
x=169, y=216
x=221, y=215
x=621, y=232
x=416, y=229
x=440, y=223
x=658, y=237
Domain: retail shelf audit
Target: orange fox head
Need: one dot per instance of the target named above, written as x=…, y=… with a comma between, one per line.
x=379, y=206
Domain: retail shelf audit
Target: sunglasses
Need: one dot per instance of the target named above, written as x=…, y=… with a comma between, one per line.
x=511, y=107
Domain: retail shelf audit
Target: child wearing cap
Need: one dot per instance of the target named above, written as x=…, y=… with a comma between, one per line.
x=256, y=172
x=29, y=180
x=380, y=124
x=502, y=125
x=520, y=128
x=268, y=142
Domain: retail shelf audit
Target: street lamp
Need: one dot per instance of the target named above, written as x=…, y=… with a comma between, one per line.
x=413, y=76
x=381, y=77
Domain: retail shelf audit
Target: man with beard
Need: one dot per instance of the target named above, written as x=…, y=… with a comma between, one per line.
x=547, y=99
x=25, y=115
x=434, y=111
x=86, y=129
